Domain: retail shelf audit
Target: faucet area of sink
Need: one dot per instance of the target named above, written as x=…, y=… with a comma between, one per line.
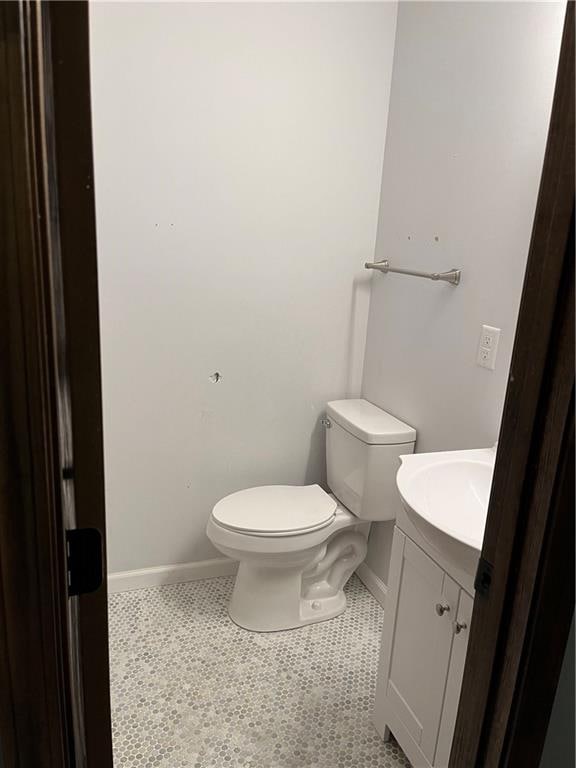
x=445, y=495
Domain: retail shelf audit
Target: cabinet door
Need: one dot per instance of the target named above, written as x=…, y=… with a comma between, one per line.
x=427, y=602
x=454, y=684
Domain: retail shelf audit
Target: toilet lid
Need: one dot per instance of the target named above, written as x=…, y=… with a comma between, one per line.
x=276, y=510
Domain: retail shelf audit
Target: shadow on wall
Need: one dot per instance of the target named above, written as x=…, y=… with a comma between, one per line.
x=316, y=464
x=357, y=330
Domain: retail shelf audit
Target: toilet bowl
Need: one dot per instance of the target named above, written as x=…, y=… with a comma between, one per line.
x=293, y=574
x=297, y=546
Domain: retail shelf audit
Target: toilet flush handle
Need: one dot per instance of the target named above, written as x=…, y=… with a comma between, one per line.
x=326, y=423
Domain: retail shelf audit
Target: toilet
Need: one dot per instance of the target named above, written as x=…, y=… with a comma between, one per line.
x=297, y=546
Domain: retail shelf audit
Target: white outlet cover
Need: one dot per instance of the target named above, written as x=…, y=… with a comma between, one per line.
x=488, y=347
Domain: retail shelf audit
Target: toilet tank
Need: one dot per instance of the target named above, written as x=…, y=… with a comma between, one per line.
x=363, y=446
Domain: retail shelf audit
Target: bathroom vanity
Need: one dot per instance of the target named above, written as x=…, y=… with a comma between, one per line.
x=437, y=541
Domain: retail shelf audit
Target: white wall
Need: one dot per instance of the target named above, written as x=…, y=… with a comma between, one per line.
x=238, y=157
x=470, y=102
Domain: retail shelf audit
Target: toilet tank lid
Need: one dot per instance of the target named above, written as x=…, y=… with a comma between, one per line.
x=369, y=423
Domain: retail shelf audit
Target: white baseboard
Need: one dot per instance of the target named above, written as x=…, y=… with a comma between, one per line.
x=373, y=583
x=124, y=581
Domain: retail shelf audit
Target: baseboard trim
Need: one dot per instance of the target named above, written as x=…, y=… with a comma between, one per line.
x=125, y=581
x=373, y=583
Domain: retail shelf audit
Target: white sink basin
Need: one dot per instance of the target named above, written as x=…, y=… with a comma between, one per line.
x=446, y=497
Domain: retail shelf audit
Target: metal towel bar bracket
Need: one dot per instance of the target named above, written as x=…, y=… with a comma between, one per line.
x=452, y=276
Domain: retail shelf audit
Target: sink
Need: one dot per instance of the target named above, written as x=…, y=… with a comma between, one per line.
x=446, y=496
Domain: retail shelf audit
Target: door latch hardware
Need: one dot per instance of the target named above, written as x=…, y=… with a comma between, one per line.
x=83, y=560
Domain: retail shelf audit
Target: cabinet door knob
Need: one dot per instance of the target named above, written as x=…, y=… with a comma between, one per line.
x=459, y=626
x=442, y=608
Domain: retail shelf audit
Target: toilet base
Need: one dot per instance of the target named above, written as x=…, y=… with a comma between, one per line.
x=275, y=594
x=311, y=612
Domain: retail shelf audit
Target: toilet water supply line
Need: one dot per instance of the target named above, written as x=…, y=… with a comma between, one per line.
x=340, y=556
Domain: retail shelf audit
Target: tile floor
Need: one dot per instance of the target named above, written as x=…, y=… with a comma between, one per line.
x=192, y=690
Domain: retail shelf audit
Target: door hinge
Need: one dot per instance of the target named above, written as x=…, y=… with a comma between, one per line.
x=83, y=560
x=483, y=578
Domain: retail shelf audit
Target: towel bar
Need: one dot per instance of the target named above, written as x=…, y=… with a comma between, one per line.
x=452, y=276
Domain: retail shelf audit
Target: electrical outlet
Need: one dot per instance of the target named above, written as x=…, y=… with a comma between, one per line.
x=488, y=347
x=489, y=336
x=484, y=356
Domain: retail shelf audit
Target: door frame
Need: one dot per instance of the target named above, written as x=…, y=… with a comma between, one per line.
x=70, y=64
x=48, y=275
x=54, y=690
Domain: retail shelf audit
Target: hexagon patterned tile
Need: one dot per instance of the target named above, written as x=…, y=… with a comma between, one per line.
x=190, y=689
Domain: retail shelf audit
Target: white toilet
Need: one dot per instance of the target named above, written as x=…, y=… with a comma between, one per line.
x=298, y=545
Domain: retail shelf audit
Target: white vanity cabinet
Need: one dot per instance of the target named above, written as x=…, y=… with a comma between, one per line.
x=422, y=655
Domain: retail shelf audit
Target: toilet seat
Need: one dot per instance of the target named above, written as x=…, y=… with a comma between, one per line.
x=276, y=510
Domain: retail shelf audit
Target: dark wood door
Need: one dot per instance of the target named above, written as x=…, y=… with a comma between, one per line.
x=54, y=689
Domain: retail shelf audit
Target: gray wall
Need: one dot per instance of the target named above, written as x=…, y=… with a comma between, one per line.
x=238, y=158
x=472, y=88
